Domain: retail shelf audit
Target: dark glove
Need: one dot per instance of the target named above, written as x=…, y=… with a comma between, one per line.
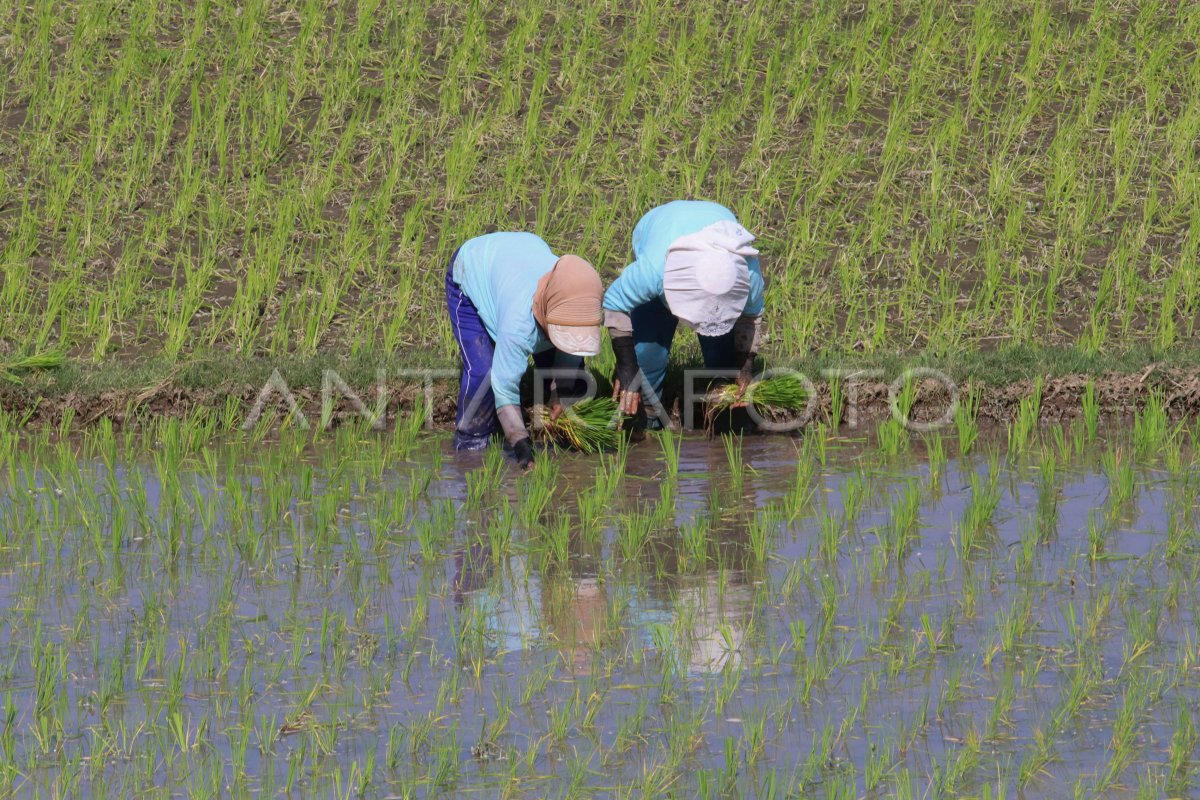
x=627, y=365
x=523, y=452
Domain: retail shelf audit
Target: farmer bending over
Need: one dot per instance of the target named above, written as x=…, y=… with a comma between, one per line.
x=693, y=263
x=510, y=297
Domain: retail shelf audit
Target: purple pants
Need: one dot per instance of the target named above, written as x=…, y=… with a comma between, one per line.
x=476, y=420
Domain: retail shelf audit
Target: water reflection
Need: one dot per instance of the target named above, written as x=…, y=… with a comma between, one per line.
x=914, y=645
x=568, y=609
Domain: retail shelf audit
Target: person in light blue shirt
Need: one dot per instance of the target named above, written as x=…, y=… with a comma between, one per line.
x=510, y=297
x=692, y=263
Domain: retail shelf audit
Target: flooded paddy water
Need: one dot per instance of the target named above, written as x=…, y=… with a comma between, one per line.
x=821, y=616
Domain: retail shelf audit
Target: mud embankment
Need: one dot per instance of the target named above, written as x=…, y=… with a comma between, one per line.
x=1061, y=399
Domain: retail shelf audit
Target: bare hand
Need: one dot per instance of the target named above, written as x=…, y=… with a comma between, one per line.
x=556, y=411
x=628, y=401
x=743, y=383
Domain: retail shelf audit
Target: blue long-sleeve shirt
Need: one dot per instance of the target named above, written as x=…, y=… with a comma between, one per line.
x=499, y=272
x=642, y=281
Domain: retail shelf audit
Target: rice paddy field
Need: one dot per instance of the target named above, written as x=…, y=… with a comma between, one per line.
x=199, y=601
x=211, y=179
x=980, y=614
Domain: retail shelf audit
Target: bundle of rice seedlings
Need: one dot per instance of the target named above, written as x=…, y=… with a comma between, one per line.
x=777, y=395
x=10, y=370
x=588, y=426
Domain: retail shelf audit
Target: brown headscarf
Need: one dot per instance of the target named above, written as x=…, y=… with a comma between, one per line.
x=569, y=294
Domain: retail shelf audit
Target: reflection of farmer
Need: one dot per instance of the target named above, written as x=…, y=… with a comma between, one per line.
x=503, y=593
x=692, y=263
x=719, y=617
x=472, y=569
x=580, y=626
x=510, y=297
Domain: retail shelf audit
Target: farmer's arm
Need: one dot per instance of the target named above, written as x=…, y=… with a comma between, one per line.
x=508, y=366
x=639, y=283
x=747, y=332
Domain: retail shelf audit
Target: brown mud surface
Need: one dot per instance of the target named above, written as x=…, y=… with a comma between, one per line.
x=1117, y=395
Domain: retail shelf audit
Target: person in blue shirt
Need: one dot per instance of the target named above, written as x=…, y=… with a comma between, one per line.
x=692, y=263
x=510, y=297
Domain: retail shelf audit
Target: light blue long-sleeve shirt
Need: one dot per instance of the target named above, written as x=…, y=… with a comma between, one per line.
x=642, y=281
x=499, y=272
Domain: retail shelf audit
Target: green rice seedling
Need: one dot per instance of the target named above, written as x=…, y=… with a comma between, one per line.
x=694, y=538
x=557, y=540
x=1174, y=458
x=1150, y=428
x=1078, y=437
x=837, y=402
x=1025, y=425
x=778, y=395
x=13, y=369
x=1182, y=746
x=893, y=437
x=802, y=491
x=962, y=762
x=537, y=490
x=480, y=482
x=966, y=421
x=670, y=443
x=1063, y=445
x=905, y=516
x=879, y=762
x=630, y=728
x=1097, y=535
x=1012, y=626
x=635, y=531
x=1122, y=478
x=733, y=459
x=1091, y=411
x=935, y=452
x=1046, y=520
x=904, y=400
x=1136, y=702
x=591, y=504
x=763, y=526
x=831, y=533
x=754, y=736
x=985, y=498
x=589, y=426
x=855, y=490
x=1181, y=535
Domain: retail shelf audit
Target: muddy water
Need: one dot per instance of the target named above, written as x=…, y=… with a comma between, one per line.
x=305, y=619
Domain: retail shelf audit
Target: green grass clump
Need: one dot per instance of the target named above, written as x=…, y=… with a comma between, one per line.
x=588, y=426
x=11, y=370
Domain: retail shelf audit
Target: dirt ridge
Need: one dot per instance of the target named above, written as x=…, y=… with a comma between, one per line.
x=1062, y=397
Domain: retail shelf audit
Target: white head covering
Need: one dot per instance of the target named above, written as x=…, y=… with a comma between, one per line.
x=706, y=279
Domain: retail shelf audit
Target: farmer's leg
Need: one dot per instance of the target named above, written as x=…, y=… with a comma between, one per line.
x=653, y=329
x=567, y=385
x=719, y=352
x=541, y=362
x=476, y=418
